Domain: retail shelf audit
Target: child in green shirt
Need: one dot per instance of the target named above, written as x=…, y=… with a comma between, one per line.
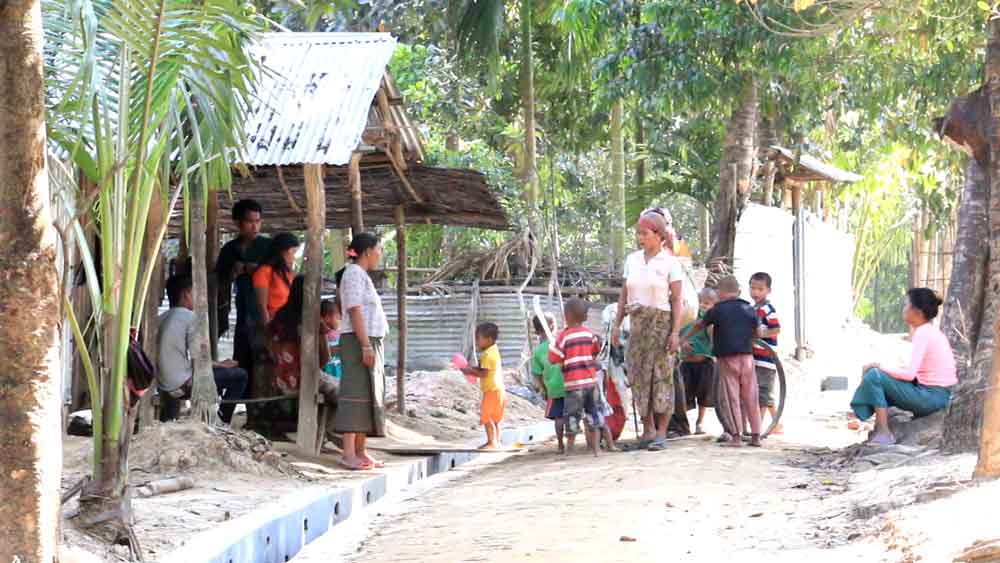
x=548, y=377
x=698, y=363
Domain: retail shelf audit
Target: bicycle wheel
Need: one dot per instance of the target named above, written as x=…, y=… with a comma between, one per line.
x=721, y=397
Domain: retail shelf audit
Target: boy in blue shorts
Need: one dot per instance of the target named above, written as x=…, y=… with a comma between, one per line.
x=770, y=328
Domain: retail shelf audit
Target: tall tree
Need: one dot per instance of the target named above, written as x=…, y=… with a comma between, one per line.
x=618, y=220
x=478, y=25
x=30, y=436
x=962, y=321
x=736, y=171
x=989, y=439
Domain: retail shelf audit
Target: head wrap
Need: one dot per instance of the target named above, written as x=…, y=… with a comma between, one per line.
x=654, y=222
x=659, y=220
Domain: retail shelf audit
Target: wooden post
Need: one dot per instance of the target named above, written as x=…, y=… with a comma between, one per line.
x=354, y=180
x=151, y=313
x=797, y=271
x=826, y=202
x=211, y=255
x=401, y=286
x=786, y=195
x=309, y=437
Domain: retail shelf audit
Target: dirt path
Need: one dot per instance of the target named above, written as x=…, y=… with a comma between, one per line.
x=694, y=502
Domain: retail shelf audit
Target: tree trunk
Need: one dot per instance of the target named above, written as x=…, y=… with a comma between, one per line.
x=640, y=142
x=735, y=174
x=617, y=210
x=204, y=395
x=211, y=254
x=964, y=308
x=30, y=456
x=528, y=108
x=989, y=438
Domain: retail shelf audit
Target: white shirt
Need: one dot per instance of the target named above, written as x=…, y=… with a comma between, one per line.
x=357, y=290
x=176, y=332
x=648, y=283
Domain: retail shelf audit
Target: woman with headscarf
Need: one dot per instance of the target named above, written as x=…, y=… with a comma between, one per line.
x=361, y=407
x=652, y=298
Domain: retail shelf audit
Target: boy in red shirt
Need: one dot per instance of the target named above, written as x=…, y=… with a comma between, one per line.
x=576, y=350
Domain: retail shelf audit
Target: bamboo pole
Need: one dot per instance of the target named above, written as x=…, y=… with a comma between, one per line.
x=401, y=287
x=309, y=437
x=354, y=181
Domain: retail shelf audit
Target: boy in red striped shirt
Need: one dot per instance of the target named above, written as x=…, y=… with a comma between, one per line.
x=576, y=350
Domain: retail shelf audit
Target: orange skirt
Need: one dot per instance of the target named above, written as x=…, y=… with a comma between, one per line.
x=491, y=409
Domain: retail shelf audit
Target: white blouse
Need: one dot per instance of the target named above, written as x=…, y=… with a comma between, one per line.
x=648, y=283
x=357, y=290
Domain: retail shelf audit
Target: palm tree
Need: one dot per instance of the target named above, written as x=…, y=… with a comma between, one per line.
x=146, y=98
x=989, y=436
x=30, y=457
x=478, y=25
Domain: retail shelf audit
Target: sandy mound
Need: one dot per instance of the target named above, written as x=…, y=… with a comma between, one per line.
x=192, y=447
x=444, y=405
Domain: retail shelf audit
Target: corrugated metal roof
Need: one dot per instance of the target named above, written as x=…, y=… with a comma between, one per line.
x=313, y=99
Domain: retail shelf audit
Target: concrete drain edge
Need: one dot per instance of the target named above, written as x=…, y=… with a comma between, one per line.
x=277, y=533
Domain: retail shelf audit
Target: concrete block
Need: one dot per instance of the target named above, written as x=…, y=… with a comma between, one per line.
x=834, y=383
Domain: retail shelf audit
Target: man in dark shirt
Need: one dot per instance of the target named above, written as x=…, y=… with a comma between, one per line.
x=735, y=327
x=237, y=261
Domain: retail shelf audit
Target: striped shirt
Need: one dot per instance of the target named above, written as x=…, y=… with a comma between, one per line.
x=768, y=319
x=576, y=350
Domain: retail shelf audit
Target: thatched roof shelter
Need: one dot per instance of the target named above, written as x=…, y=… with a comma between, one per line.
x=805, y=168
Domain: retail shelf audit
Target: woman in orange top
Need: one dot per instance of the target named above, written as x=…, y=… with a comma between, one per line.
x=272, y=281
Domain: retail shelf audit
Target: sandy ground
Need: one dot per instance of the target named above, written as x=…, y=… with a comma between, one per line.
x=801, y=497
x=238, y=472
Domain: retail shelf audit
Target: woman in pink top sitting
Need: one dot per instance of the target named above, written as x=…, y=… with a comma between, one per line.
x=924, y=387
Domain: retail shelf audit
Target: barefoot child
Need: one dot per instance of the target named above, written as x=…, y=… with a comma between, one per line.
x=548, y=377
x=576, y=350
x=735, y=326
x=770, y=328
x=490, y=374
x=698, y=362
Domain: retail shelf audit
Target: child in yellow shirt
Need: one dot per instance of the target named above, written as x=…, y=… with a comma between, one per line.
x=490, y=374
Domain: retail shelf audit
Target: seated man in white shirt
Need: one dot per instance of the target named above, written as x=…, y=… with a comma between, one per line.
x=176, y=333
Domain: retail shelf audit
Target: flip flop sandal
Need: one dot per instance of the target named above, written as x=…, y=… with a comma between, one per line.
x=658, y=445
x=882, y=440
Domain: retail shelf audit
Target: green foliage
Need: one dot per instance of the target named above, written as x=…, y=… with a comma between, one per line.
x=145, y=98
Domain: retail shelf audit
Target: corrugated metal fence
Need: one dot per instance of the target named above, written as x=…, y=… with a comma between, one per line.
x=440, y=325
